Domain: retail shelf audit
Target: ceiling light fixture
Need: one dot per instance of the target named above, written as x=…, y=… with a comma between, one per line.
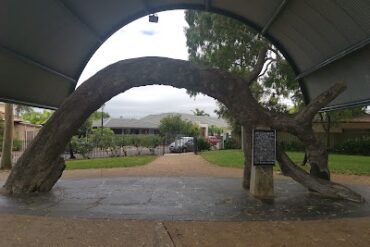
x=153, y=18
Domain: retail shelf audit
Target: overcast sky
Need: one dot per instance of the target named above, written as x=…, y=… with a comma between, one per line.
x=142, y=38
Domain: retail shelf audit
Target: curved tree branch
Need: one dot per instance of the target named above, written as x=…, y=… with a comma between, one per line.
x=307, y=113
x=324, y=187
x=266, y=67
x=258, y=66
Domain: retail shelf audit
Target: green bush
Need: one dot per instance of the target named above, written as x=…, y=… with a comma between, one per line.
x=149, y=141
x=292, y=146
x=231, y=143
x=17, y=145
x=203, y=145
x=81, y=146
x=102, y=138
x=359, y=145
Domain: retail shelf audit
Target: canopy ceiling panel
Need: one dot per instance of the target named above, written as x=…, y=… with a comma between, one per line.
x=45, y=44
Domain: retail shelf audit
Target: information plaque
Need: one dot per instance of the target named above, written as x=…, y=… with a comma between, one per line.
x=264, y=147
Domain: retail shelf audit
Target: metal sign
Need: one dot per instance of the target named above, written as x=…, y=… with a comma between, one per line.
x=264, y=147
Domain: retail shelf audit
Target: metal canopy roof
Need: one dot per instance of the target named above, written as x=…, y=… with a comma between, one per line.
x=45, y=44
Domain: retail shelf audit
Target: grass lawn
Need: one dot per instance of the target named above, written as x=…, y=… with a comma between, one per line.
x=110, y=162
x=338, y=163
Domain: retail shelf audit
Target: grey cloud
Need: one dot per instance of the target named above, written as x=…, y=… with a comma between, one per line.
x=148, y=32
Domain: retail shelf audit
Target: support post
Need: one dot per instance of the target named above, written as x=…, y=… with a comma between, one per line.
x=263, y=159
x=262, y=182
x=6, y=158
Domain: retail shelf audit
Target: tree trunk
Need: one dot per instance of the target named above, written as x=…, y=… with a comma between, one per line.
x=71, y=154
x=327, y=127
x=6, y=157
x=247, y=150
x=317, y=154
x=324, y=187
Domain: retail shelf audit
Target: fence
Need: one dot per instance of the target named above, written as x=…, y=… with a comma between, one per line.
x=116, y=152
x=120, y=152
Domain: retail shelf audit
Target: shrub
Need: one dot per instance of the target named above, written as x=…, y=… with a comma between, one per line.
x=149, y=141
x=17, y=145
x=359, y=145
x=292, y=146
x=102, y=138
x=81, y=146
x=203, y=144
x=231, y=143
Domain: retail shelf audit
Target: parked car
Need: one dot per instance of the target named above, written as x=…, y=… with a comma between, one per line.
x=213, y=140
x=182, y=145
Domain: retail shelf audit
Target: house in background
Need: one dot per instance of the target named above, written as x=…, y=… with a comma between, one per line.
x=340, y=131
x=23, y=131
x=150, y=124
x=359, y=125
x=124, y=126
x=344, y=130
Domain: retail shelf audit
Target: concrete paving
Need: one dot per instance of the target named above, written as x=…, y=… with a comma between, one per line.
x=180, y=198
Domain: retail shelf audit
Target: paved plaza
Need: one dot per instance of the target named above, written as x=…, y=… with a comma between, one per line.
x=173, y=200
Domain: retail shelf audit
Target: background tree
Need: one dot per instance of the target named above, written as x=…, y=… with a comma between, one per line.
x=214, y=130
x=81, y=146
x=174, y=125
x=97, y=115
x=102, y=138
x=86, y=128
x=199, y=112
x=37, y=117
x=82, y=133
x=22, y=109
x=228, y=44
x=6, y=156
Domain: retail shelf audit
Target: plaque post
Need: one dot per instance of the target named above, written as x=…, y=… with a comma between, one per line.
x=263, y=158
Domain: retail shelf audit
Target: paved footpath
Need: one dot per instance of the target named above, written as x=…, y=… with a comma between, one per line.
x=51, y=228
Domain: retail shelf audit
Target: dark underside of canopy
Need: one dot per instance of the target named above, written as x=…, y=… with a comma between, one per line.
x=45, y=44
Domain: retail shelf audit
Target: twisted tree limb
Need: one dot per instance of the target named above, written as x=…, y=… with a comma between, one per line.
x=309, y=111
x=324, y=187
x=257, y=67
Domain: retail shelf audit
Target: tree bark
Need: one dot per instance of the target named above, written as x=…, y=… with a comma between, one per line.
x=327, y=127
x=317, y=154
x=40, y=166
x=71, y=154
x=6, y=157
x=300, y=125
x=322, y=186
x=247, y=150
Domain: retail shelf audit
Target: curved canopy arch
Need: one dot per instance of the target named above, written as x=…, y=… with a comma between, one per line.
x=44, y=45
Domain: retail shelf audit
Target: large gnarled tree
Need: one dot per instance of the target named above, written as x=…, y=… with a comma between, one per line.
x=39, y=168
